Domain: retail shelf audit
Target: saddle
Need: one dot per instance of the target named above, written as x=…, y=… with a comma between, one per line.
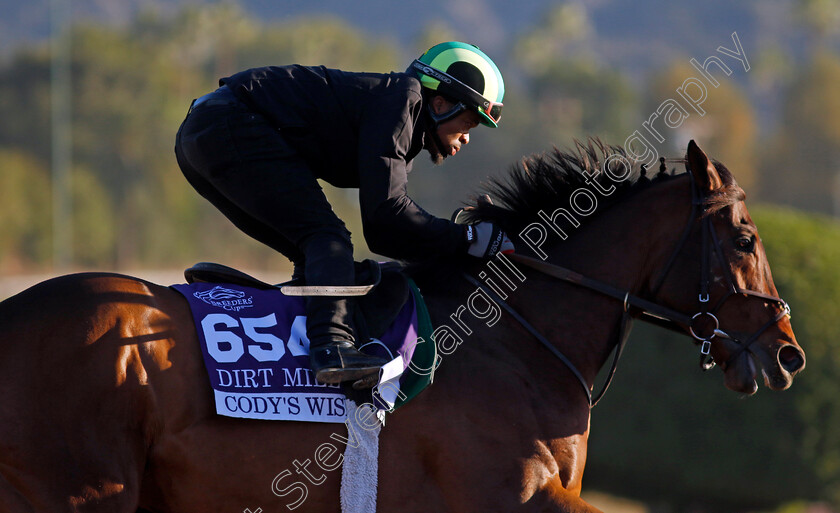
x=384, y=285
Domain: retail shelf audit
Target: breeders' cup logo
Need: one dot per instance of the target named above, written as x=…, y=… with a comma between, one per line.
x=228, y=299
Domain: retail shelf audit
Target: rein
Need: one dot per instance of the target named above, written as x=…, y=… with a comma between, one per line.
x=650, y=311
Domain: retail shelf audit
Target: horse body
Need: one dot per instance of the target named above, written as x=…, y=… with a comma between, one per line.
x=106, y=404
x=122, y=416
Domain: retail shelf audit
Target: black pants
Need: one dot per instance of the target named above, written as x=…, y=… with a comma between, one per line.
x=241, y=164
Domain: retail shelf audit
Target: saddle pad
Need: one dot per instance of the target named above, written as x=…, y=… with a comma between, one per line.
x=256, y=353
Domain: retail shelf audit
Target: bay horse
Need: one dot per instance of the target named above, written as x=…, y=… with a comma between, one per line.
x=105, y=403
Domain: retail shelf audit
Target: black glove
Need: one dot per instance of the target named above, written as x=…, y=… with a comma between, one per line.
x=486, y=240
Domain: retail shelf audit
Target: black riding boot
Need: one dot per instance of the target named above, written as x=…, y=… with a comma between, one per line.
x=332, y=354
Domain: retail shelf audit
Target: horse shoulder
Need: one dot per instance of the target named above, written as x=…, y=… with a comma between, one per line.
x=491, y=413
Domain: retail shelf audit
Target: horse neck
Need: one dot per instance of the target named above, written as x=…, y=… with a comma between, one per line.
x=625, y=247
x=628, y=245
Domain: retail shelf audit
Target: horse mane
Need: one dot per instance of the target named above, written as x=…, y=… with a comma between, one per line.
x=548, y=180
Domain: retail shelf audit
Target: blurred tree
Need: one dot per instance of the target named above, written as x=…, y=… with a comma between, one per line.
x=727, y=130
x=822, y=17
x=433, y=34
x=25, y=212
x=94, y=232
x=573, y=95
x=771, y=70
x=802, y=160
x=125, y=117
x=25, y=103
x=804, y=251
x=575, y=99
x=320, y=41
x=563, y=33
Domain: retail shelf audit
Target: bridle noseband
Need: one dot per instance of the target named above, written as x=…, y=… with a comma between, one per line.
x=649, y=310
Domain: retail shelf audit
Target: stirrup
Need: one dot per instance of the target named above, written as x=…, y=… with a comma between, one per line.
x=372, y=269
x=326, y=290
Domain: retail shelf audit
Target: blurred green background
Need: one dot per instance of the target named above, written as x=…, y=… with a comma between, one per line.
x=89, y=107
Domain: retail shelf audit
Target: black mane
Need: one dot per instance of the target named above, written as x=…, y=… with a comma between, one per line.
x=547, y=181
x=544, y=182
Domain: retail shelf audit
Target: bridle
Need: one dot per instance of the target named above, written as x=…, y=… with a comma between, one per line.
x=651, y=311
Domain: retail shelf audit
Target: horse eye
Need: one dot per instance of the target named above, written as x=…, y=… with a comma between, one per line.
x=746, y=244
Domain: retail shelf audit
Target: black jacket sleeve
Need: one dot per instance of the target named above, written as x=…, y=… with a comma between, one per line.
x=394, y=225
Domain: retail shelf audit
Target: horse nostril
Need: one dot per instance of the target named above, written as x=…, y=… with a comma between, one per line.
x=791, y=359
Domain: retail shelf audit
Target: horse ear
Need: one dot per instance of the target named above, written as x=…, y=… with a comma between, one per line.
x=705, y=175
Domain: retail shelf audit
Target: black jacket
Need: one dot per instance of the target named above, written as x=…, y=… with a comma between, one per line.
x=357, y=130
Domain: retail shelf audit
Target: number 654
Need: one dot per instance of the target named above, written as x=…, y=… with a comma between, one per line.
x=225, y=346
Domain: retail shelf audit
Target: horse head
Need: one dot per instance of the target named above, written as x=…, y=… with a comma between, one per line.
x=739, y=317
x=700, y=269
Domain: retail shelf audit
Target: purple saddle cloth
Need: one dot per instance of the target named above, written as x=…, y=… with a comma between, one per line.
x=257, y=354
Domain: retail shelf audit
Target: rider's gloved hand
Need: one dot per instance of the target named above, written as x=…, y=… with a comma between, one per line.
x=486, y=240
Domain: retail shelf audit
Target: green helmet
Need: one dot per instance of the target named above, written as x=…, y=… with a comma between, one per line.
x=465, y=74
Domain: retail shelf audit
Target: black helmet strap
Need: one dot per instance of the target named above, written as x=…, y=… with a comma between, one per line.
x=445, y=116
x=435, y=120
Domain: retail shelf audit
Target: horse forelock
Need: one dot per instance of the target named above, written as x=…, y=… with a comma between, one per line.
x=549, y=180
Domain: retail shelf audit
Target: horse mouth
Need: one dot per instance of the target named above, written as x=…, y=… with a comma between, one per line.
x=741, y=376
x=778, y=372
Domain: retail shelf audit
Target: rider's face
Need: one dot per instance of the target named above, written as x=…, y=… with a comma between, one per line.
x=453, y=133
